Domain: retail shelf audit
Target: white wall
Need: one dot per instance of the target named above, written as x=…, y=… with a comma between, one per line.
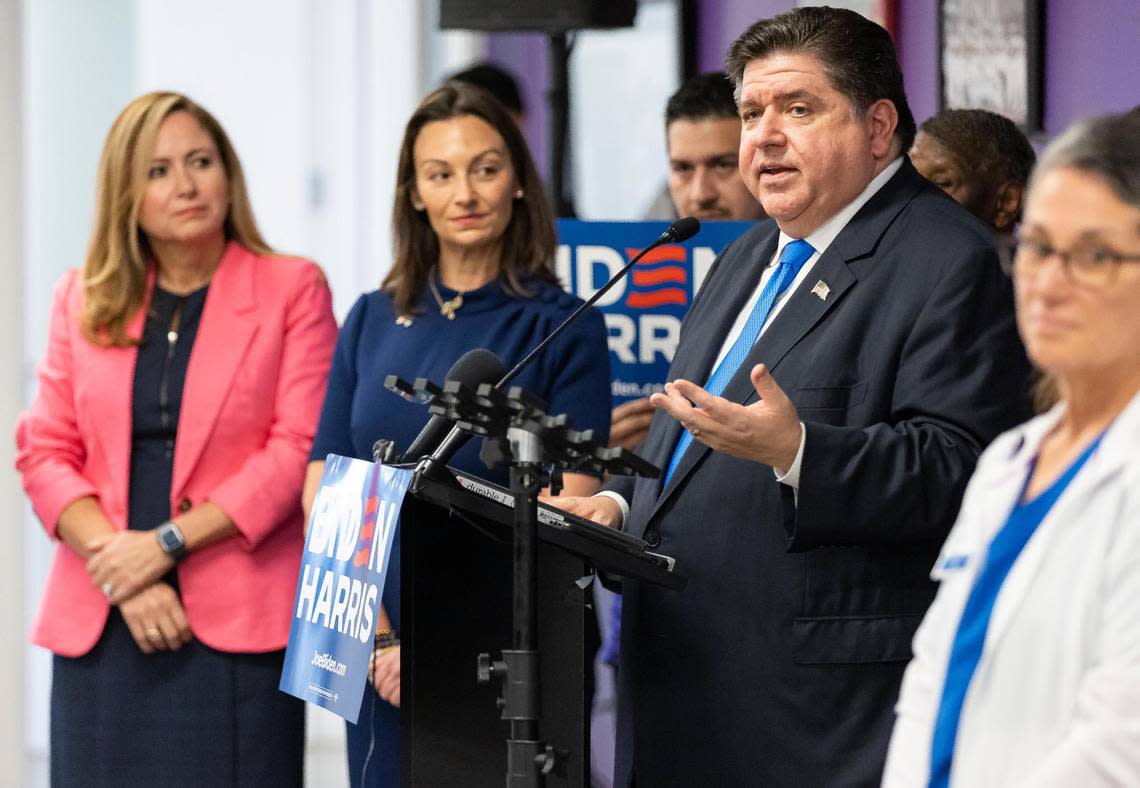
x=621, y=81
x=11, y=396
x=66, y=113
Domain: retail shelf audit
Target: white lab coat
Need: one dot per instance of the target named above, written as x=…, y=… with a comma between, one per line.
x=1055, y=699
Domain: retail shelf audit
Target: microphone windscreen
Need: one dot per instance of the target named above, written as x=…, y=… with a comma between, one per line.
x=472, y=368
x=476, y=366
x=683, y=229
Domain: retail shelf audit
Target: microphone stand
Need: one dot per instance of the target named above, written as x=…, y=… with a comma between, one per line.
x=540, y=447
x=528, y=759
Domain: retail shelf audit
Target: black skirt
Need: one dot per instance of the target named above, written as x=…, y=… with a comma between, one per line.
x=194, y=717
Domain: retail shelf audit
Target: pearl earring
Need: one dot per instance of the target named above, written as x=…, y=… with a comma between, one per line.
x=519, y=194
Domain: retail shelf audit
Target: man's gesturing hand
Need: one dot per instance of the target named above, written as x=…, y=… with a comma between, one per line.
x=766, y=431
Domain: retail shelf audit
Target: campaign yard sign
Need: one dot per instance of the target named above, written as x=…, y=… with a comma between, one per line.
x=354, y=518
x=642, y=312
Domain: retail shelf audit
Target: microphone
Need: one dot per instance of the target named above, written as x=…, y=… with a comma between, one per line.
x=678, y=231
x=471, y=369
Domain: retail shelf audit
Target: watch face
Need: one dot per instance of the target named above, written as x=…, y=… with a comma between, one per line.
x=170, y=538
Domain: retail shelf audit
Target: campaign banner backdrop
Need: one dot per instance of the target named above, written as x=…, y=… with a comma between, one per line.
x=643, y=312
x=353, y=522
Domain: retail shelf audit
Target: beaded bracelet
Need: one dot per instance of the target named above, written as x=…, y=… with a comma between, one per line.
x=385, y=639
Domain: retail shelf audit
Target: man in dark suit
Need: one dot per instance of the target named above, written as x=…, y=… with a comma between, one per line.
x=835, y=381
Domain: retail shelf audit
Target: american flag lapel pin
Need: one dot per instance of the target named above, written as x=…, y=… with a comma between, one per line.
x=821, y=289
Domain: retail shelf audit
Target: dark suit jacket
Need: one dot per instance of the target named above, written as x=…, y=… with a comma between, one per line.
x=780, y=663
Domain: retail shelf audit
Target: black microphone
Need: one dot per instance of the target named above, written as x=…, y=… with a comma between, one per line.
x=471, y=369
x=678, y=231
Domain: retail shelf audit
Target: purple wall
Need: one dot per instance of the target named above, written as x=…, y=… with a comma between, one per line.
x=721, y=21
x=917, y=42
x=1092, y=61
x=525, y=56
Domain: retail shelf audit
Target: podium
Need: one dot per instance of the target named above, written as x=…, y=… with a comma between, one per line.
x=456, y=592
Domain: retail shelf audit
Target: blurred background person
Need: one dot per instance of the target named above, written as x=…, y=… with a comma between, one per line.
x=165, y=450
x=473, y=267
x=497, y=81
x=702, y=136
x=1027, y=666
x=979, y=158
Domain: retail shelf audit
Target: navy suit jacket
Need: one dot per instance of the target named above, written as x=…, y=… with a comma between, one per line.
x=780, y=663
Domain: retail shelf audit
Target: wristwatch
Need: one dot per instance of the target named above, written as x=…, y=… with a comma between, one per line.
x=171, y=540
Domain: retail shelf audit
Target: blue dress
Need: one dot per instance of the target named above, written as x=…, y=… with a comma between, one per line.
x=572, y=376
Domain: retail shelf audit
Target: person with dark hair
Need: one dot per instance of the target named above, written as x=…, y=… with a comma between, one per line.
x=702, y=138
x=979, y=158
x=474, y=251
x=499, y=83
x=1026, y=668
x=702, y=135
x=836, y=379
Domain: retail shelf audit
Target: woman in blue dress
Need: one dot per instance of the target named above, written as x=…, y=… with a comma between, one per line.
x=474, y=250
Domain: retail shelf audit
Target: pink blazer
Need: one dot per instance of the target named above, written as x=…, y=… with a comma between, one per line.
x=250, y=405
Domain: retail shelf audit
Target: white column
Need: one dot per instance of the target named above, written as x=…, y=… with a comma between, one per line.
x=457, y=50
x=11, y=399
x=66, y=112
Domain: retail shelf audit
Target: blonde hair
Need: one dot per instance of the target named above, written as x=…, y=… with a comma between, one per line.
x=115, y=270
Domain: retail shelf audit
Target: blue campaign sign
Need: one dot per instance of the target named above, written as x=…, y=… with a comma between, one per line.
x=643, y=313
x=355, y=515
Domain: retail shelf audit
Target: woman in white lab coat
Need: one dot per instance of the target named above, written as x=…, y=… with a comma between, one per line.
x=1027, y=666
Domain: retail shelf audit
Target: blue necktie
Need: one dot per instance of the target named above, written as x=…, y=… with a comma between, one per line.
x=792, y=259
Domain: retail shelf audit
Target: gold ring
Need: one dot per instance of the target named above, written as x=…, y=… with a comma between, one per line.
x=153, y=633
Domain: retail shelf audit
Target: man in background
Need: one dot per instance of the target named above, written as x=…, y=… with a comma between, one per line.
x=702, y=138
x=702, y=135
x=499, y=83
x=979, y=158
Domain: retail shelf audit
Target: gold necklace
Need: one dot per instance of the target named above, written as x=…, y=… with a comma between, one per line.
x=446, y=308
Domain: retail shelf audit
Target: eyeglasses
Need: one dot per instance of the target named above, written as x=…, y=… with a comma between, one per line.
x=1091, y=265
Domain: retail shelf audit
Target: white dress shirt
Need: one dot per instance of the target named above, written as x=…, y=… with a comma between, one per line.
x=820, y=238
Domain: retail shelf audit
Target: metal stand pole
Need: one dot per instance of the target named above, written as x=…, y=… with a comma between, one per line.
x=559, y=99
x=528, y=759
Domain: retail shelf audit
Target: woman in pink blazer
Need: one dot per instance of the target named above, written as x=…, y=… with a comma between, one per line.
x=165, y=451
